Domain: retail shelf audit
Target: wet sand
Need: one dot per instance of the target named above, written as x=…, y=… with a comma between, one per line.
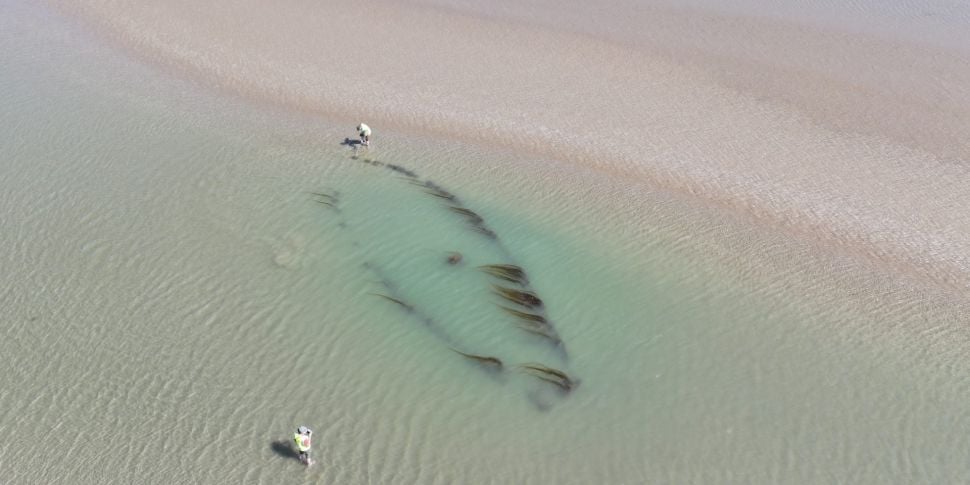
x=851, y=137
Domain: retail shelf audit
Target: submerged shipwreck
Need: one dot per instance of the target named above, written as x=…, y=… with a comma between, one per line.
x=509, y=290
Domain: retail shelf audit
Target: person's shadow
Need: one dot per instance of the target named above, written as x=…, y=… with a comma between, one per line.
x=351, y=143
x=283, y=448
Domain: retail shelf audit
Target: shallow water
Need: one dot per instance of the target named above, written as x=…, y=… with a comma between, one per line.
x=175, y=302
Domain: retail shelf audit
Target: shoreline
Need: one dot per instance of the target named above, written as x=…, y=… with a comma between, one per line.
x=810, y=193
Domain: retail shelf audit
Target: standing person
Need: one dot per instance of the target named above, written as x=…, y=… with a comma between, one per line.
x=302, y=439
x=364, y=132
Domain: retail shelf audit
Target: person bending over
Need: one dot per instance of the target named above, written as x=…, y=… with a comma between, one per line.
x=364, y=132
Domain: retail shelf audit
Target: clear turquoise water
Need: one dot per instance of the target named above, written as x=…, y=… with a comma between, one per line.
x=175, y=302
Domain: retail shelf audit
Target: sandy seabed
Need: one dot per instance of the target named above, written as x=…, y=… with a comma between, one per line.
x=749, y=226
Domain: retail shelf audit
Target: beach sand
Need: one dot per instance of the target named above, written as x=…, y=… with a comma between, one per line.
x=748, y=225
x=849, y=136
